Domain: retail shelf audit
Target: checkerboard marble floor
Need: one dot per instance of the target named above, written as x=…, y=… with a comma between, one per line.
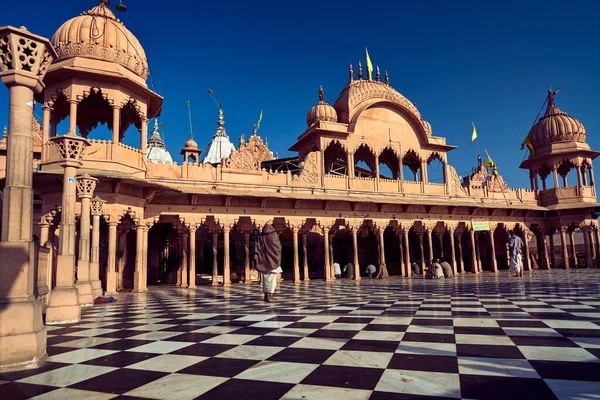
x=476, y=337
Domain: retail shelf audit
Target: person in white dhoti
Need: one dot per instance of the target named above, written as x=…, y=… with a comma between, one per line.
x=515, y=245
x=267, y=259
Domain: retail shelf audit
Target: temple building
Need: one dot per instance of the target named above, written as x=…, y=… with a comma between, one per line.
x=357, y=191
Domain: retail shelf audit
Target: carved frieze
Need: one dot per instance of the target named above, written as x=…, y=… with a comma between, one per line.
x=310, y=170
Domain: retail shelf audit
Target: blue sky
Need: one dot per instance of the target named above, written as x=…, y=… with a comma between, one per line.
x=487, y=62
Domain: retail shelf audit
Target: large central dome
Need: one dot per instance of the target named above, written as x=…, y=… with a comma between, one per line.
x=98, y=34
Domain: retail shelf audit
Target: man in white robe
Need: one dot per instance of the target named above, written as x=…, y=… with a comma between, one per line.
x=515, y=245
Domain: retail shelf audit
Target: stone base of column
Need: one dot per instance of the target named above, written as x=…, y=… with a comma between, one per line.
x=63, y=306
x=111, y=282
x=84, y=293
x=96, y=288
x=138, y=284
x=22, y=335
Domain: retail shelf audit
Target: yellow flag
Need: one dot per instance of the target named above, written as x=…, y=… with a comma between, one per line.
x=527, y=142
x=369, y=65
x=259, y=119
x=474, y=134
x=490, y=162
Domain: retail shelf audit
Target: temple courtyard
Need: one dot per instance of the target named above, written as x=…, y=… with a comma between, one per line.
x=484, y=336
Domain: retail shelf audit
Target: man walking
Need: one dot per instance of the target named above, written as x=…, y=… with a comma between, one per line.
x=267, y=259
x=515, y=245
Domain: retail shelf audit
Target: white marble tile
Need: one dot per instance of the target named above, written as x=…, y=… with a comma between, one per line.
x=161, y=347
x=366, y=359
x=80, y=355
x=544, y=310
x=296, y=332
x=310, y=392
x=199, y=316
x=86, y=342
x=320, y=318
x=557, y=353
x=256, y=317
x=93, y=332
x=575, y=390
x=588, y=343
x=496, y=367
x=230, y=339
x=177, y=387
x=366, y=312
x=319, y=343
x=271, y=324
x=251, y=352
x=431, y=349
x=155, y=335
x=67, y=376
x=344, y=326
x=595, y=315
x=475, y=322
x=392, y=320
x=379, y=335
x=203, y=322
x=529, y=332
x=276, y=371
x=151, y=327
x=484, y=339
x=427, y=313
x=430, y=329
x=435, y=384
x=167, y=363
x=217, y=330
x=570, y=324
x=66, y=393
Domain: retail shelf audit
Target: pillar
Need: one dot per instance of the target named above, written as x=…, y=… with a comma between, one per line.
x=579, y=178
x=401, y=254
x=588, y=249
x=475, y=268
x=97, y=209
x=527, y=258
x=73, y=116
x=22, y=331
x=563, y=240
x=179, y=258
x=555, y=174
x=377, y=177
x=421, y=235
x=478, y=253
x=305, y=256
x=355, y=250
x=430, y=244
x=144, y=135
x=461, y=259
x=296, y=255
x=452, y=251
x=192, y=257
x=111, y=268
x=44, y=232
x=493, y=249
x=247, y=279
x=139, y=263
x=381, y=248
x=592, y=245
x=544, y=250
x=573, y=249
x=215, y=271
x=45, y=131
x=116, y=124
x=144, y=281
x=184, y=259
x=407, y=252
x=552, y=251
x=331, y=259
x=597, y=234
x=327, y=268
x=226, y=256
x=351, y=172
x=85, y=189
x=440, y=236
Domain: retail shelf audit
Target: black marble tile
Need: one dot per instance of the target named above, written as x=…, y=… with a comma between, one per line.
x=521, y=324
x=478, y=330
x=576, y=371
x=298, y=355
x=22, y=391
x=344, y=377
x=386, y=346
x=334, y=333
x=192, y=337
x=552, y=341
x=123, y=344
x=489, y=351
x=386, y=328
x=120, y=359
x=428, y=337
x=241, y=389
x=502, y=388
x=276, y=341
x=119, y=381
x=417, y=362
x=226, y=367
x=432, y=322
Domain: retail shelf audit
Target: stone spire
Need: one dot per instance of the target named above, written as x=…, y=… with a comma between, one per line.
x=156, y=151
x=321, y=94
x=377, y=74
x=219, y=147
x=4, y=133
x=360, y=75
x=387, y=78
x=221, y=124
x=351, y=73
x=254, y=130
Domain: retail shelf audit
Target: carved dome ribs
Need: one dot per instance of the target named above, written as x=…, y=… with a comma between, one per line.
x=321, y=111
x=556, y=126
x=98, y=34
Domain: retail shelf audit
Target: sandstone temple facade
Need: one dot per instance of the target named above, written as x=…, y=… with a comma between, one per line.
x=109, y=217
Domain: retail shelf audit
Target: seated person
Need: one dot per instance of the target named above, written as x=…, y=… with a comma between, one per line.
x=349, y=270
x=415, y=268
x=446, y=268
x=370, y=270
x=337, y=270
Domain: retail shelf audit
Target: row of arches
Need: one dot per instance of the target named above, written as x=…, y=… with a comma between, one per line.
x=366, y=163
x=550, y=177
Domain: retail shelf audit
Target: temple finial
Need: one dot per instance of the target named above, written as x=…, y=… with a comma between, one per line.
x=277, y=155
x=242, y=140
x=551, y=96
x=360, y=75
x=266, y=142
x=254, y=130
x=351, y=73
x=377, y=74
x=387, y=78
x=321, y=94
x=4, y=133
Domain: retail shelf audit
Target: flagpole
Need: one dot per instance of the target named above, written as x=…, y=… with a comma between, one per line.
x=190, y=117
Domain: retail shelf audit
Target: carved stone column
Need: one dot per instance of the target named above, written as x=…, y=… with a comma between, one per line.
x=544, y=250
x=139, y=256
x=295, y=231
x=215, y=270
x=116, y=124
x=475, y=269
x=111, y=268
x=452, y=251
x=24, y=58
x=144, y=135
x=184, y=259
x=592, y=245
x=382, y=264
x=226, y=254
x=85, y=189
x=460, y=255
x=421, y=237
x=144, y=282
x=428, y=232
x=331, y=259
x=563, y=241
x=493, y=249
x=192, y=257
x=355, y=229
x=247, y=279
x=440, y=236
x=97, y=208
x=552, y=251
x=588, y=249
x=305, y=256
x=327, y=269
x=405, y=238
x=478, y=252
x=63, y=301
x=573, y=249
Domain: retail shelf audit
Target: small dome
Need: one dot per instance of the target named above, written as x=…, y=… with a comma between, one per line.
x=321, y=111
x=156, y=151
x=98, y=34
x=191, y=144
x=427, y=126
x=556, y=126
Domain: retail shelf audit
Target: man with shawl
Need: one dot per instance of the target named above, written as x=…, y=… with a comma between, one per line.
x=267, y=259
x=515, y=245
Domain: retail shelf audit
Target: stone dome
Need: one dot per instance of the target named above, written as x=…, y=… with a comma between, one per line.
x=156, y=151
x=98, y=34
x=191, y=144
x=556, y=126
x=321, y=111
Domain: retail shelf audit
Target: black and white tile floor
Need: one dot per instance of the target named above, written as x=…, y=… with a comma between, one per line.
x=475, y=337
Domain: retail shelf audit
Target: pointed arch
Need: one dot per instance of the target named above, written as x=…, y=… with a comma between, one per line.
x=412, y=161
x=366, y=156
x=436, y=168
x=336, y=159
x=389, y=159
